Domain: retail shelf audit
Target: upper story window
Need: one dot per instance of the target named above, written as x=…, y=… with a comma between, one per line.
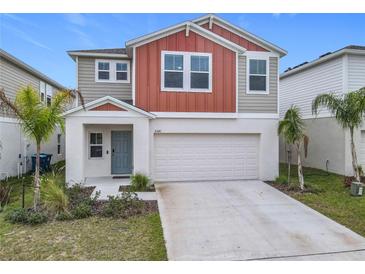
x=42, y=90
x=114, y=71
x=45, y=92
x=49, y=92
x=258, y=76
x=186, y=71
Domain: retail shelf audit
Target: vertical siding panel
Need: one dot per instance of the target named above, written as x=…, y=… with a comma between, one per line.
x=162, y=97
x=181, y=96
x=200, y=98
x=191, y=46
x=153, y=75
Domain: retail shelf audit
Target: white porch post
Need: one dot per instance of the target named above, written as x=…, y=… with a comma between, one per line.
x=75, y=150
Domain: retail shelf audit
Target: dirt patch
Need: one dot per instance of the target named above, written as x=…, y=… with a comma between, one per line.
x=128, y=188
x=148, y=207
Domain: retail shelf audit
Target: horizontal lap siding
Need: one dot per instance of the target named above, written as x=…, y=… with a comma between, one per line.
x=148, y=77
x=234, y=37
x=266, y=103
x=356, y=72
x=92, y=90
x=12, y=78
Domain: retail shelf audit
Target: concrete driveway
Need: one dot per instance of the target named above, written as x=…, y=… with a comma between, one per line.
x=248, y=220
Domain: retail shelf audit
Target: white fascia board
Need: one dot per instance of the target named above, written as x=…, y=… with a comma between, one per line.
x=74, y=54
x=179, y=27
x=215, y=115
x=240, y=32
x=107, y=99
x=321, y=60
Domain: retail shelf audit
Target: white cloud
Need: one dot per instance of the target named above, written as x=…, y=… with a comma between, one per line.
x=83, y=37
x=24, y=36
x=76, y=19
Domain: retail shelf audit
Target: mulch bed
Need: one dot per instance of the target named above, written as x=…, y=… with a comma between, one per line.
x=148, y=207
x=288, y=188
x=127, y=188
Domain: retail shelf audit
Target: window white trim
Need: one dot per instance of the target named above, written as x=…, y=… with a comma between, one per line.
x=89, y=145
x=42, y=91
x=112, y=71
x=186, y=71
x=258, y=57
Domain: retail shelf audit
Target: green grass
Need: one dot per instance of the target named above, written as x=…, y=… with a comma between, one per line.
x=95, y=238
x=329, y=196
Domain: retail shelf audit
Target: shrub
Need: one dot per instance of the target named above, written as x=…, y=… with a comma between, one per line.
x=24, y=216
x=5, y=190
x=53, y=195
x=127, y=204
x=139, y=182
x=36, y=217
x=79, y=194
x=18, y=215
x=82, y=210
x=281, y=180
x=64, y=216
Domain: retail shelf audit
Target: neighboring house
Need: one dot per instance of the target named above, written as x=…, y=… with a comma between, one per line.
x=15, y=148
x=337, y=72
x=195, y=101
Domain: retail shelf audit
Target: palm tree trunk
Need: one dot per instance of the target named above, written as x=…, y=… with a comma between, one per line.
x=354, y=156
x=36, y=199
x=289, y=164
x=300, y=169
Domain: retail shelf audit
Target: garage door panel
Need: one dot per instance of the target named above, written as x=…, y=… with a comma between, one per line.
x=187, y=157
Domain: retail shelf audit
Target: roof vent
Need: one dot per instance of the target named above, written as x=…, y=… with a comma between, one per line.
x=288, y=69
x=302, y=64
x=327, y=53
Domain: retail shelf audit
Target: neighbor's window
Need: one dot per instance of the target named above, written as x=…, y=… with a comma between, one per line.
x=59, y=143
x=186, y=71
x=174, y=71
x=112, y=71
x=121, y=71
x=42, y=90
x=103, y=70
x=96, y=145
x=48, y=94
x=258, y=75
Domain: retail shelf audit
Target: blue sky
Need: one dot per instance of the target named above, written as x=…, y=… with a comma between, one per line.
x=41, y=40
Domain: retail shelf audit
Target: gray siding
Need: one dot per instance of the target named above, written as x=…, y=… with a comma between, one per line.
x=92, y=90
x=12, y=78
x=356, y=72
x=266, y=103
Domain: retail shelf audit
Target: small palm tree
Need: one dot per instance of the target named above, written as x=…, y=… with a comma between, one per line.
x=291, y=128
x=38, y=121
x=349, y=111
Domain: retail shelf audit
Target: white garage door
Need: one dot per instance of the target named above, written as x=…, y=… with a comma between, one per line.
x=192, y=157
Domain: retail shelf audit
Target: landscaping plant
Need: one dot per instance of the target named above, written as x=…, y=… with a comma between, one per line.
x=38, y=121
x=122, y=206
x=139, y=182
x=291, y=128
x=349, y=111
x=5, y=190
x=53, y=195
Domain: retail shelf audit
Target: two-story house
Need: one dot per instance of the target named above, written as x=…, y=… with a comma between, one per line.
x=195, y=101
x=334, y=72
x=16, y=148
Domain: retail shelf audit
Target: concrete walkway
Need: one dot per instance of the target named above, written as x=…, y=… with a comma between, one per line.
x=110, y=187
x=248, y=220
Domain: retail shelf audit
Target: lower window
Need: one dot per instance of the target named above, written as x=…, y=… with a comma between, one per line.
x=96, y=145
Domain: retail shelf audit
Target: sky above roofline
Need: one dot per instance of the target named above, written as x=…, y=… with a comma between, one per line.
x=41, y=40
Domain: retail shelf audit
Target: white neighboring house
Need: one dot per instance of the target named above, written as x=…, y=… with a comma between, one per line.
x=338, y=72
x=15, y=148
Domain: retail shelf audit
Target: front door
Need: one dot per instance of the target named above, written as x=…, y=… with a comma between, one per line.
x=121, y=152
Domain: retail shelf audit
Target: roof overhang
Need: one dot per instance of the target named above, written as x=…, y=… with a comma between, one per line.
x=31, y=70
x=187, y=26
x=211, y=18
x=74, y=54
x=328, y=57
x=112, y=100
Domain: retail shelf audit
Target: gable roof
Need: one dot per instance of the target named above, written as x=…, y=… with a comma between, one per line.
x=187, y=26
x=109, y=99
x=240, y=31
x=113, y=52
x=31, y=70
x=351, y=49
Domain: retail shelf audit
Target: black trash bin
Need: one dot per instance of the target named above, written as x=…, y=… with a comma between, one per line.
x=44, y=161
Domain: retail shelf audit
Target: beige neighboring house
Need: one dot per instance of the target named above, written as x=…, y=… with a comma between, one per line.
x=338, y=72
x=15, y=148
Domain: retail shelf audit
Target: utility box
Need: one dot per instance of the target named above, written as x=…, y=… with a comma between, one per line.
x=357, y=189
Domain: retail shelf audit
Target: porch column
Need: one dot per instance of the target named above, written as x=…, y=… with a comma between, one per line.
x=75, y=150
x=141, y=146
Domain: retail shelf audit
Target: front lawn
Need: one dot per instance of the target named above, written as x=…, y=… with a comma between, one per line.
x=96, y=238
x=328, y=195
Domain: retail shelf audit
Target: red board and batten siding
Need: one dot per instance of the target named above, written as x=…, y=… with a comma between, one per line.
x=233, y=37
x=148, y=76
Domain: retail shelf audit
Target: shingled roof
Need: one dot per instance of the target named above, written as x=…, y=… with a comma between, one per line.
x=111, y=51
